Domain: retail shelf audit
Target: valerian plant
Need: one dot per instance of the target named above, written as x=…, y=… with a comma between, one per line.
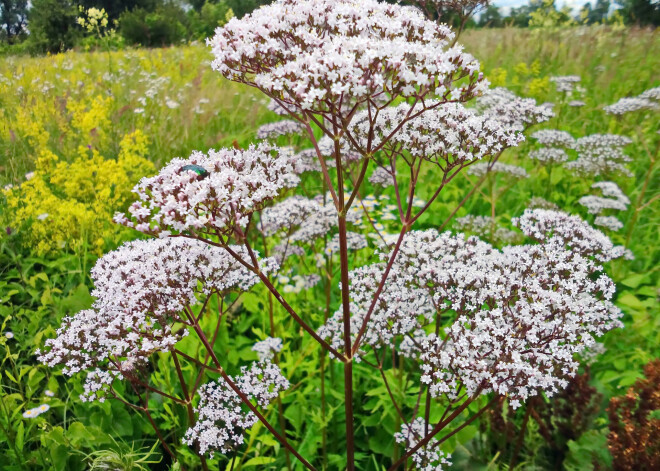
x=371, y=85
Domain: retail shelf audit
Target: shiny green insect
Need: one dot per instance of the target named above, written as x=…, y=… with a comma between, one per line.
x=200, y=171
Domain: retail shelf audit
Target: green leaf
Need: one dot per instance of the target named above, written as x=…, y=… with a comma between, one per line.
x=630, y=300
x=59, y=455
x=77, y=434
x=20, y=436
x=258, y=461
x=635, y=280
x=11, y=377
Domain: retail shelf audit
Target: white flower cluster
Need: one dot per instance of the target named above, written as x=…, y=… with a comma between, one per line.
x=397, y=313
x=554, y=138
x=222, y=418
x=629, y=105
x=279, y=128
x=291, y=212
x=141, y=289
x=276, y=108
x=310, y=53
x=613, y=198
x=307, y=161
x=519, y=113
x=447, y=134
x=520, y=313
x=354, y=241
x=297, y=283
x=381, y=177
x=485, y=228
x=267, y=348
x=559, y=228
x=608, y=222
x=482, y=168
x=564, y=83
x=648, y=100
x=209, y=193
x=428, y=457
x=600, y=154
x=651, y=94
x=549, y=155
x=539, y=203
x=348, y=153
x=302, y=220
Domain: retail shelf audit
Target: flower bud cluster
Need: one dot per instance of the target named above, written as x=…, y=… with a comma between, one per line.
x=486, y=228
x=613, y=198
x=482, y=168
x=279, y=128
x=648, y=100
x=210, y=193
x=519, y=113
x=429, y=457
x=564, y=83
x=600, y=154
x=311, y=54
x=222, y=418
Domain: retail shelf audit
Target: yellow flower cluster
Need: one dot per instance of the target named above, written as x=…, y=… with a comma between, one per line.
x=94, y=20
x=70, y=205
x=68, y=121
x=91, y=121
x=525, y=79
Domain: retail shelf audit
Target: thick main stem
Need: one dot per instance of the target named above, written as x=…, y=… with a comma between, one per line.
x=348, y=364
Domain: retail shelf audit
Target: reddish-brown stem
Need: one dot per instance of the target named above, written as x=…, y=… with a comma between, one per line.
x=466, y=423
x=324, y=167
x=439, y=426
x=521, y=434
x=246, y=400
x=379, y=289
x=389, y=392
x=189, y=409
x=257, y=271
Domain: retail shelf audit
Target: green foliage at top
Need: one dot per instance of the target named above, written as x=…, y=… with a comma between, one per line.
x=13, y=19
x=52, y=25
